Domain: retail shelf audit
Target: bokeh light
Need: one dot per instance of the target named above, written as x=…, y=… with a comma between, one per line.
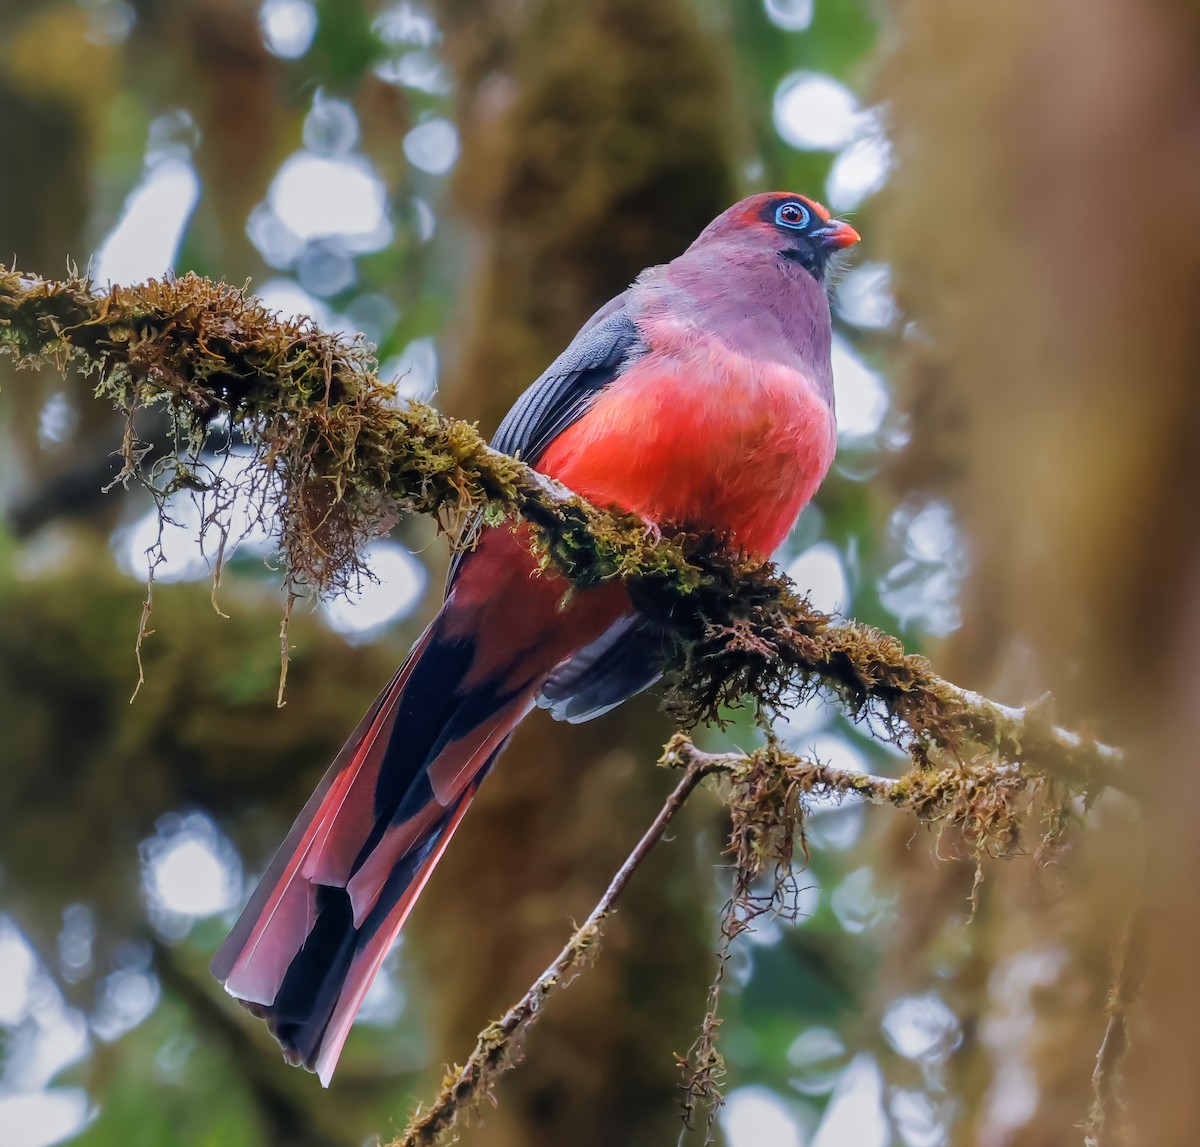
x=432, y=146
x=144, y=242
x=189, y=868
x=815, y=111
x=317, y=196
x=855, y=1114
x=398, y=584
x=755, y=1116
x=288, y=26
x=790, y=15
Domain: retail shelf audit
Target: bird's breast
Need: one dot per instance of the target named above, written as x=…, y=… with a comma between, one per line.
x=703, y=437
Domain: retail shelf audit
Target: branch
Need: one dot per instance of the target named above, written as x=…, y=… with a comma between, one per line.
x=987, y=802
x=342, y=455
x=498, y=1048
x=767, y=800
x=767, y=792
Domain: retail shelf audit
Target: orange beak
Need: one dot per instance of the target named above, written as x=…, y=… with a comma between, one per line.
x=835, y=235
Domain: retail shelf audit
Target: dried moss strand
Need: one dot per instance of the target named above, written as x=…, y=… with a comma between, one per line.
x=344, y=455
x=498, y=1047
x=1129, y=974
x=767, y=793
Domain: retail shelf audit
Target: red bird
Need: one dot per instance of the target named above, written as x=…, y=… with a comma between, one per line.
x=700, y=397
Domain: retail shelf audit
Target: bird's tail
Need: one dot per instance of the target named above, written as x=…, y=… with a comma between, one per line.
x=316, y=930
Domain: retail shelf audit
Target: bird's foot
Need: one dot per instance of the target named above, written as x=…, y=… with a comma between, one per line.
x=652, y=532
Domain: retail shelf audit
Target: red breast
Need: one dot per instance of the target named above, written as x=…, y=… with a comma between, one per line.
x=704, y=438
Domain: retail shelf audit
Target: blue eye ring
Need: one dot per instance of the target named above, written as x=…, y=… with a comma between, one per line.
x=796, y=222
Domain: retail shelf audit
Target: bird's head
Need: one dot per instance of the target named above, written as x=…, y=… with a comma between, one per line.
x=782, y=223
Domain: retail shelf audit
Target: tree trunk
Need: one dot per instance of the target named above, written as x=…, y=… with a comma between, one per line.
x=1045, y=231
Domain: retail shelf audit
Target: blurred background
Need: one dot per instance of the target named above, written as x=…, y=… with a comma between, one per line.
x=462, y=182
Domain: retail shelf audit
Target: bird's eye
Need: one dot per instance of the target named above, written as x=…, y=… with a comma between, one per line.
x=793, y=215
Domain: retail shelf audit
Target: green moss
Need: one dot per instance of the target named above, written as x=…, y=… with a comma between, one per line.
x=340, y=456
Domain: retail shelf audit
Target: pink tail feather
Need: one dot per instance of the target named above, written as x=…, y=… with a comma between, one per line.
x=314, y=934
x=366, y=965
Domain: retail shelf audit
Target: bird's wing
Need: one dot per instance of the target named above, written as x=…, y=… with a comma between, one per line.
x=596, y=355
x=629, y=657
x=565, y=390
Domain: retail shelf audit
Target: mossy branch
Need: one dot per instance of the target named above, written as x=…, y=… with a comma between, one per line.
x=342, y=455
x=767, y=792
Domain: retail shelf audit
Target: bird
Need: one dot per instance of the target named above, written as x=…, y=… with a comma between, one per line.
x=700, y=398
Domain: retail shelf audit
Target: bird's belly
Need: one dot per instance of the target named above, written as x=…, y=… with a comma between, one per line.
x=707, y=440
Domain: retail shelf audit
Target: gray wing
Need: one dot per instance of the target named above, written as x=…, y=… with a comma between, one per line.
x=564, y=391
x=595, y=357
x=629, y=657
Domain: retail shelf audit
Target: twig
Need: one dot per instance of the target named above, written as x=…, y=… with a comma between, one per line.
x=987, y=802
x=498, y=1048
x=1106, y=1076
x=681, y=752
